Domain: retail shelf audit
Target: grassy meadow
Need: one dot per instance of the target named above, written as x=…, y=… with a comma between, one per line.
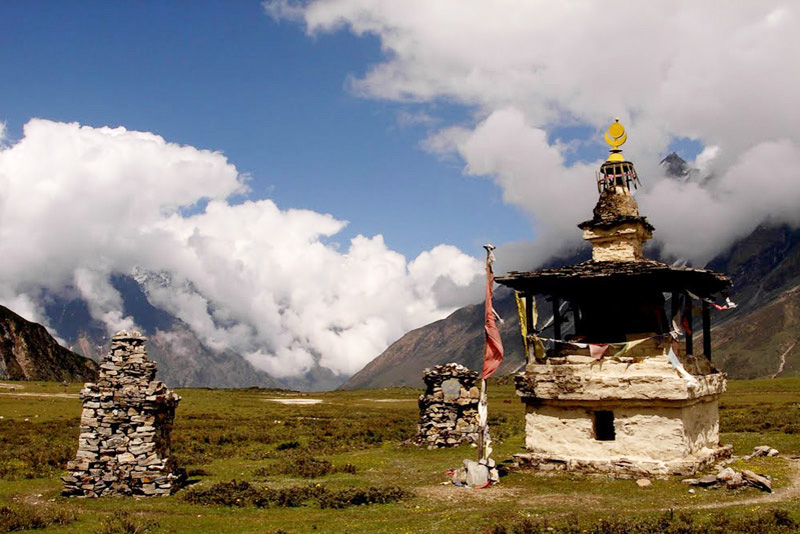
x=344, y=465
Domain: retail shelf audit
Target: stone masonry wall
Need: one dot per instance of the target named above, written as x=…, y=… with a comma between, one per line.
x=448, y=411
x=124, y=443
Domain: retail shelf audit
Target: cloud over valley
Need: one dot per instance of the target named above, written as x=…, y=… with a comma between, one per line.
x=78, y=204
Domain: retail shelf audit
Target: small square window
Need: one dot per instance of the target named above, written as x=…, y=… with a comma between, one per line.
x=604, y=425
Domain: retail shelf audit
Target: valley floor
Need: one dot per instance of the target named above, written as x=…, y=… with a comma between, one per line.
x=355, y=440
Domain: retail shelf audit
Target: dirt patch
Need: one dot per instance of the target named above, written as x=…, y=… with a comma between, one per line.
x=6, y=385
x=561, y=499
x=452, y=493
x=298, y=402
x=56, y=395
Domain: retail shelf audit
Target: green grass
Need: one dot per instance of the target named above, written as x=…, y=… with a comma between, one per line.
x=225, y=435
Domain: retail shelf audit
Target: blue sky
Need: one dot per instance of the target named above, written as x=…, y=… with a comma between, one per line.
x=313, y=102
x=225, y=76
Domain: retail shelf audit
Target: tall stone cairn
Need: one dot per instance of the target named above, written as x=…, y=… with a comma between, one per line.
x=448, y=418
x=124, y=444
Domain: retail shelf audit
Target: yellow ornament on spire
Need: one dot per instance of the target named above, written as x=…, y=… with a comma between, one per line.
x=616, y=137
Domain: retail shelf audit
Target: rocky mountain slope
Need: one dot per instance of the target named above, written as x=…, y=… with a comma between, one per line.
x=765, y=267
x=763, y=342
x=457, y=338
x=29, y=352
x=183, y=360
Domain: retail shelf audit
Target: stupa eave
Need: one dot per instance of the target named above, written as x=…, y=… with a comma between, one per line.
x=594, y=276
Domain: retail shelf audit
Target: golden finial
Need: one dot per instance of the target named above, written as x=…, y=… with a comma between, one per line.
x=616, y=137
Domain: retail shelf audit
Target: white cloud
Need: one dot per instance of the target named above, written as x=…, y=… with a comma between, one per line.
x=79, y=203
x=725, y=74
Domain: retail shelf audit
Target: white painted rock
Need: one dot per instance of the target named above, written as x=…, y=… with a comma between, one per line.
x=477, y=474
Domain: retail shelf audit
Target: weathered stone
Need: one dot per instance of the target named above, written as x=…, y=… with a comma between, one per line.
x=726, y=474
x=643, y=482
x=736, y=481
x=762, y=450
x=125, y=426
x=477, y=474
x=448, y=408
x=757, y=481
x=708, y=480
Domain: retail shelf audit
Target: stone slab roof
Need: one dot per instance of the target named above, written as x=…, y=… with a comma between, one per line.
x=598, y=277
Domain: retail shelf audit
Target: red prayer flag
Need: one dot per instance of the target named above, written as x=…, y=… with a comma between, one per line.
x=493, y=352
x=597, y=351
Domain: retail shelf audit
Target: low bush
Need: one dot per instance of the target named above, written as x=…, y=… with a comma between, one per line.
x=305, y=467
x=197, y=472
x=350, y=469
x=26, y=517
x=771, y=521
x=235, y=493
x=232, y=493
x=126, y=523
x=357, y=496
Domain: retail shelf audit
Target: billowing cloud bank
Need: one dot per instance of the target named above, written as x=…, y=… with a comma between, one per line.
x=79, y=203
x=723, y=73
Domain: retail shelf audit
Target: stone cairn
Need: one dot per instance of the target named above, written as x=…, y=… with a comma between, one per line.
x=124, y=444
x=448, y=410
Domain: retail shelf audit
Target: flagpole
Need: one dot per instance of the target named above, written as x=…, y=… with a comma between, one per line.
x=483, y=403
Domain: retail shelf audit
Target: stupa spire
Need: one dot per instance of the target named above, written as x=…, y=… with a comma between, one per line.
x=616, y=231
x=616, y=173
x=616, y=137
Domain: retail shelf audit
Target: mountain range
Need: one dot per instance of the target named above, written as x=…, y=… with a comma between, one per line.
x=756, y=339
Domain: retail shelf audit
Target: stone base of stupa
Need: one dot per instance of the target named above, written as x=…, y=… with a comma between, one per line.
x=624, y=467
x=631, y=418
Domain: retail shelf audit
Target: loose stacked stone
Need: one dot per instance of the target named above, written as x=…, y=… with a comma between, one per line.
x=124, y=444
x=448, y=416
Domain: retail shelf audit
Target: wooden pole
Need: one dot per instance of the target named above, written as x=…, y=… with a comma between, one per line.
x=556, y=323
x=707, y=330
x=673, y=308
x=482, y=421
x=530, y=326
x=689, y=319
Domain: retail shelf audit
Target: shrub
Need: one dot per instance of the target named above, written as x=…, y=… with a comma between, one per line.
x=292, y=496
x=232, y=493
x=304, y=466
x=772, y=521
x=285, y=446
x=27, y=517
x=354, y=497
x=126, y=523
x=197, y=472
x=350, y=469
x=236, y=493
